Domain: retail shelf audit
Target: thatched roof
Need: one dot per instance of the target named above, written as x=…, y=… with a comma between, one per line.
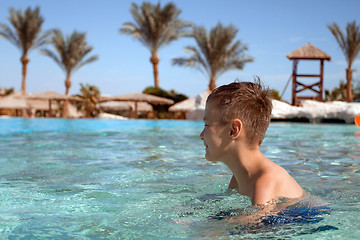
x=139, y=97
x=41, y=105
x=197, y=102
x=19, y=101
x=51, y=95
x=309, y=52
x=12, y=102
x=127, y=106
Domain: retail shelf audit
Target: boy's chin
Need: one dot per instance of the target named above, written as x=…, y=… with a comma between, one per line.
x=210, y=159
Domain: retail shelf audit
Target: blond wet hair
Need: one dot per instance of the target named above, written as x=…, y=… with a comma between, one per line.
x=250, y=102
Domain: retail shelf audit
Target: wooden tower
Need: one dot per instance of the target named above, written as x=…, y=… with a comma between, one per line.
x=307, y=52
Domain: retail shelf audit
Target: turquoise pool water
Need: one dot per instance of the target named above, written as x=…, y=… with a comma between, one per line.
x=140, y=179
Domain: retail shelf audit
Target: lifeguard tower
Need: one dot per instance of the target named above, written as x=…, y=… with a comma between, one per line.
x=307, y=52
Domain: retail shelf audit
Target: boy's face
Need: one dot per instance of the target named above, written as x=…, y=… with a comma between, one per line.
x=215, y=134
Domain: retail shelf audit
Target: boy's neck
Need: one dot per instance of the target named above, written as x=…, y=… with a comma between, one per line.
x=245, y=163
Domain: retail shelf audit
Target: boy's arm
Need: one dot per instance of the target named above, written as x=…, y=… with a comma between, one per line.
x=251, y=218
x=264, y=191
x=262, y=199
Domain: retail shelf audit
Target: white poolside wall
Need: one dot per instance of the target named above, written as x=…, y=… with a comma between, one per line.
x=314, y=111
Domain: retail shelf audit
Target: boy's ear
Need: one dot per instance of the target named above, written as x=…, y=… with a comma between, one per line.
x=236, y=127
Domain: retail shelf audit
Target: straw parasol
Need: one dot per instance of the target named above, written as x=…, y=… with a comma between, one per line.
x=42, y=105
x=51, y=95
x=13, y=102
x=47, y=96
x=197, y=102
x=121, y=106
x=21, y=102
x=137, y=98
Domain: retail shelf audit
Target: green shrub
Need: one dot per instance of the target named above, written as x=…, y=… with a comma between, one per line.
x=6, y=91
x=275, y=94
x=172, y=94
x=161, y=111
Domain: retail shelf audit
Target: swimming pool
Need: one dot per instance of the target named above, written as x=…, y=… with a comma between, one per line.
x=142, y=179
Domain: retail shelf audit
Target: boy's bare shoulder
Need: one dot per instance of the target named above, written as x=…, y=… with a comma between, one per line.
x=275, y=182
x=287, y=186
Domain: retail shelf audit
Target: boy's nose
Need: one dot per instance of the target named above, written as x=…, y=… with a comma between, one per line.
x=202, y=135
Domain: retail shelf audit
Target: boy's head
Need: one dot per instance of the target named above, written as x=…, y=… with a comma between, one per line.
x=249, y=102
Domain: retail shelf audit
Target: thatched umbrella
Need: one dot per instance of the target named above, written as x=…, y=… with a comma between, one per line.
x=139, y=97
x=39, y=105
x=193, y=103
x=49, y=96
x=13, y=102
x=18, y=101
x=189, y=107
x=121, y=106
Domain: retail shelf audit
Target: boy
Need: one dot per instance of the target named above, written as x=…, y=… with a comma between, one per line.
x=237, y=116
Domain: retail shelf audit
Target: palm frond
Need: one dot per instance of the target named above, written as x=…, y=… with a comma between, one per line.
x=10, y=35
x=89, y=60
x=353, y=42
x=26, y=29
x=70, y=50
x=216, y=51
x=195, y=61
x=155, y=27
x=339, y=36
x=129, y=28
x=52, y=55
x=349, y=41
x=42, y=40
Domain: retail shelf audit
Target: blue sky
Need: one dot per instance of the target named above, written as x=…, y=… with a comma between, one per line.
x=270, y=29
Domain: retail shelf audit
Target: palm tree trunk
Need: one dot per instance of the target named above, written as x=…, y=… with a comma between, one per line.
x=155, y=61
x=349, y=96
x=24, y=60
x=65, y=112
x=212, y=84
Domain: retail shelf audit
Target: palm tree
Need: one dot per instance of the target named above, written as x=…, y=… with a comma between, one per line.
x=70, y=53
x=216, y=52
x=155, y=27
x=338, y=93
x=89, y=94
x=350, y=45
x=26, y=35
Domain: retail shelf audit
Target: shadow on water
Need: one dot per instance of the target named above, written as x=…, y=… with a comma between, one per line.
x=296, y=220
x=305, y=217
x=287, y=220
